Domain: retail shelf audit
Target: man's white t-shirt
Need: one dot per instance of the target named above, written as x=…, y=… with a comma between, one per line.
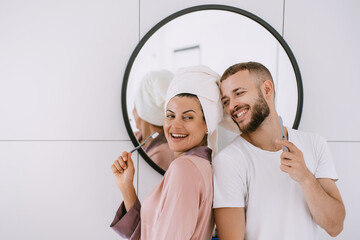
x=275, y=206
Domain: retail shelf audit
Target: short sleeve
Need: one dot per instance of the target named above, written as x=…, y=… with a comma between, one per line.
x=325, y=167
x=230, y=188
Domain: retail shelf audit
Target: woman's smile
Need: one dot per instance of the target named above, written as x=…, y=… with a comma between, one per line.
x=184, y=124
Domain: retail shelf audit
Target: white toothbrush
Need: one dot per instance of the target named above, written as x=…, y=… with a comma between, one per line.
x=153, y=135
x=282, y=132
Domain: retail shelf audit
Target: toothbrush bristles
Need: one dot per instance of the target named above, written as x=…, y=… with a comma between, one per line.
x=154, y=135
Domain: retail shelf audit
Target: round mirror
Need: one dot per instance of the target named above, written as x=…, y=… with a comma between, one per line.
x=216, y=36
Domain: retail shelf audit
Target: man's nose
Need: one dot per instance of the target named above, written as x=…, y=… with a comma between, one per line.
x=232, y=105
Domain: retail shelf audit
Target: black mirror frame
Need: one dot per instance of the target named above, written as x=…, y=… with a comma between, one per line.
x=195, y=9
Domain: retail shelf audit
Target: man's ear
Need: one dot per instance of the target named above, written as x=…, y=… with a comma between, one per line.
x=268, y=89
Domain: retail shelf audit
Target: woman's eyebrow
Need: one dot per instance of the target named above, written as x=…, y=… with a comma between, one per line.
x=168, y=110
x=189, y=111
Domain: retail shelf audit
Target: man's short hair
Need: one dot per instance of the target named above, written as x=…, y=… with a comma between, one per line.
x=261, y=72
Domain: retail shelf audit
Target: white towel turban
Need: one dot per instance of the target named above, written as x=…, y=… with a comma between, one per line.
x=202, y=82
x=150, y=98
x=229, y=124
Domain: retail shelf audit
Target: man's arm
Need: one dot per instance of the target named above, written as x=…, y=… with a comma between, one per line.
x=322, y=195
x=230, y=223
x=325, y=204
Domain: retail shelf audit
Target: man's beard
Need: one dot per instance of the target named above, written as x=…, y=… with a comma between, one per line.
x=260, y=111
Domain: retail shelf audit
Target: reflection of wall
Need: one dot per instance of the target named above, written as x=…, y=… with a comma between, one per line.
x=188, y=56
x=62, y=64
x=217, y=39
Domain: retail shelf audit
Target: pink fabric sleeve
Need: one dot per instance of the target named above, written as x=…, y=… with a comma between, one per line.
x=127, y=224
x=180, y=202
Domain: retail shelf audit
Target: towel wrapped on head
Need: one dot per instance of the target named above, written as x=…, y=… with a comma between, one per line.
x=202, y=82
x=229, y=124
x=150, y=97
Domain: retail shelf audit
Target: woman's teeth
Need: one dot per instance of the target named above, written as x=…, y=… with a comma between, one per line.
x=178, y=135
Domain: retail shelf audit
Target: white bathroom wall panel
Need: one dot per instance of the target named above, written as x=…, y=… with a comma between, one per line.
x=61, y=68
x=324, y=36
x=148, y=178
x=347, y=162
x=152, y=12
x=58, y=189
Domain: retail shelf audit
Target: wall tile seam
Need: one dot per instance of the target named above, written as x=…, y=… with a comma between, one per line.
x=139, y=12
x=283, y=21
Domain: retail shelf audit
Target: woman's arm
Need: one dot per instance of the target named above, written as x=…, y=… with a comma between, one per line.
x=127, y=220
x=123, y=170
x=127, y=223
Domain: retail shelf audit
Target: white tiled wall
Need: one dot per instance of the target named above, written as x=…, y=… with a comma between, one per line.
x=324, y=36
x=58, y=189
x=61, y=70
x=62, y=64
x=148, y=178
x=270, y=11
x=347, y=162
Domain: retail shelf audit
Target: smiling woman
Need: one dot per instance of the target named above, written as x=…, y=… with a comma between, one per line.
x=180, y=206
x=217, y=36
x=184, y=124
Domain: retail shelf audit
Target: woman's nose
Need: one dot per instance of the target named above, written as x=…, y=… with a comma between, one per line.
x=176, y=123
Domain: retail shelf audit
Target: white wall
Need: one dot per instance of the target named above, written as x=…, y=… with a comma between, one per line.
x=61, y=69
x=324, y=36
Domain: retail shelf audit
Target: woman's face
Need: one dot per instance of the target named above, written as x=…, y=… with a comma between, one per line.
x=184, y=125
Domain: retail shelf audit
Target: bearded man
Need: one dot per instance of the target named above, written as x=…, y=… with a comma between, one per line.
x=265, y=187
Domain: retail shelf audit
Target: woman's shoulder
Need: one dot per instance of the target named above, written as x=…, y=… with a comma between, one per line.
x=192, y=167
x=183, y=163
x=185, y=166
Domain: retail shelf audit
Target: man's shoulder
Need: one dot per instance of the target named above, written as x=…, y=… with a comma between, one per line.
x=234, y=145
x=234, y=149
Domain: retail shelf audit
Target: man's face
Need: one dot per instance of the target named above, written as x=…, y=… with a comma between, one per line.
x=243, y=101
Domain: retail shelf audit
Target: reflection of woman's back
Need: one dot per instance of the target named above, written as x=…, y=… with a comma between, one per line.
x=149, y=116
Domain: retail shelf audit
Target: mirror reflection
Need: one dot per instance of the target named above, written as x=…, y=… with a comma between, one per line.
x=148, y=114
x=215, y=38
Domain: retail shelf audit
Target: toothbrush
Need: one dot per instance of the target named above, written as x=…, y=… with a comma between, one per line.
x=282, y=132
x=153, y=135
